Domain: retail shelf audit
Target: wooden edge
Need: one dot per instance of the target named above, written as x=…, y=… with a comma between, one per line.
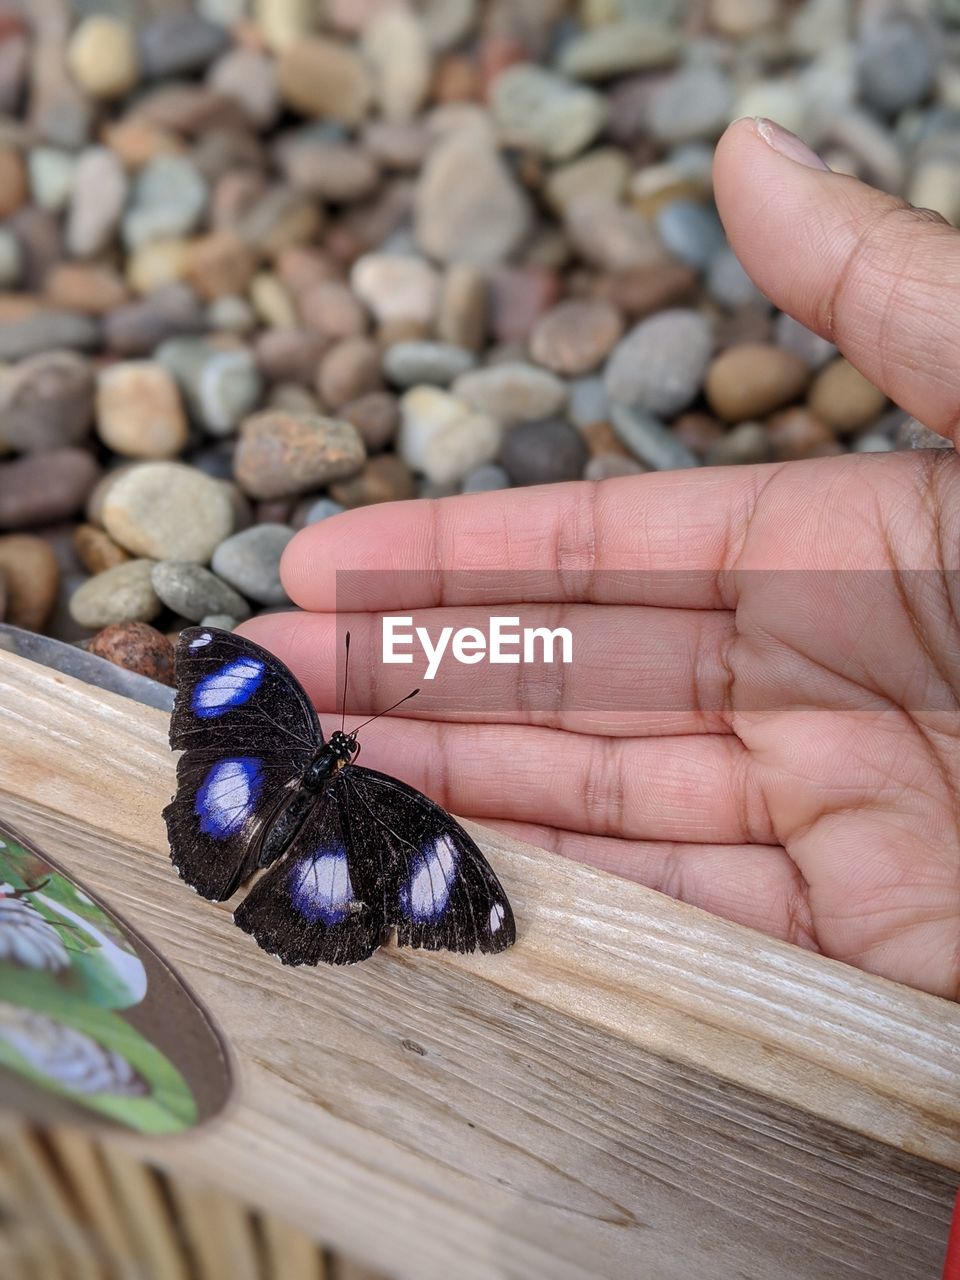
x=870, y=1055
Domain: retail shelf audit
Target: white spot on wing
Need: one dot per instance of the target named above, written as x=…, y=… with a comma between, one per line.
x=430, y=884
x=322, y=888
x=496, y=916
x=226, y=797
x=228, y=687
x=200, y=641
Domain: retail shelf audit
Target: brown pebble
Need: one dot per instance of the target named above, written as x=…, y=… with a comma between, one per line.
x=301, y=266
x=47, y=401
x=42, y=488
x=698, y=431
x=844, y=398
x=329, y=308
x=462, y=312
x=752, y=380
x=90, y=287
x=219, y=264
x=279, y=454
x=96, y=550
x=289, y=355
x=13, y=181
x=746, y=442
x=140, y=412
x=324, y=79
x=136, y=646
x=576, y=336
x=518, y=298
x=376, y=416
x=456, y=79
x=31, y=576
x=602, y=440
x=348, y=370
x=647, y=289
x=384, y=479
x=797, y=433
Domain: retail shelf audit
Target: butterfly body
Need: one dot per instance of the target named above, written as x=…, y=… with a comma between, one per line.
x=351, y=853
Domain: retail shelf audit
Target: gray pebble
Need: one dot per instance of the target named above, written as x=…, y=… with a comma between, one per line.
x=486, y=478
x=140, y=327
x=51, y=177
x=914, y=435
x=179, y=44
x=692, y=232
x=221, y=620
x=221, y=384
x=729, y=285
x=803, y=342
x=47, y=330
x=321, y=509
x=406, y=364
x=544, y=452
x=512, y=392
x=122, y=594
x=168, y=511
x=746, y=442
x=98, y=198
x=193, y=592
x=11, y=258
x=694, y=103
x=250, y=561
x=588, y=401
x=897, y=66
x=617, y=48
x=650, y=441
x=169, y=198
x=544, y=112
x=46, y=402
x=42, y=488
x=659, y=365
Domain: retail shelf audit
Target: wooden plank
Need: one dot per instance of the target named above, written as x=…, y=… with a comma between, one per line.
x=290, y=1253
x=636, y=1088
x=219, y=1233
x=137, y=1192
x=80, y=1158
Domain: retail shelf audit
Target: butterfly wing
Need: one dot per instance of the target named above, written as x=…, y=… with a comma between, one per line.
x=324, y=900
x=375, y=853
x=444, y=893
x=247, y=730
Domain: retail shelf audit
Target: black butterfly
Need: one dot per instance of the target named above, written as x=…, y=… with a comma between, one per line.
x=359, y=852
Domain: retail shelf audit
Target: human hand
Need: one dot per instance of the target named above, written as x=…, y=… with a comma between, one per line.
x=786, y=752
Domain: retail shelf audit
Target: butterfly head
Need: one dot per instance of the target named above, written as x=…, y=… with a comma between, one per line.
x=344, y=746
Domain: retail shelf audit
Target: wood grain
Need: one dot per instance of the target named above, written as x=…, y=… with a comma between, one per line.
x=636, y=1089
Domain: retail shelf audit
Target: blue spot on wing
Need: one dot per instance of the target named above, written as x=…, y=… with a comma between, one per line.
x=320, y=886
x=425, y=894
x=228, y=795
x=233, y=685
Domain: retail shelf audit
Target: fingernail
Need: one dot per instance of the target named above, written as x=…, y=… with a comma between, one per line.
x=788, y=144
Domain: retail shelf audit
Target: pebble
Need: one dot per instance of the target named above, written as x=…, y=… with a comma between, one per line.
x=42, y=488
x=221, y=620
x=96, y=550
x=660, y=364
x=914, y=435
x=467, y=206
x=693, y=104
x=320, y=509
x=649, y=440
x=248, y=77
x=325, y=79
x=442, y=438
x=331, y=309
x=843, y=398
x=740, y=18
x=375, y=416
x=691, y=231
x=31, y=577
x=803, y=342
x=136, y=646
x=13, y=181
x=406, y=364
x=544, y=112
x=11, y=259
x=512, y=392
x=328, y=169
x=747, y=442
x=250, y=562
x=168, y=511
x=611, y=466
x=94, y=288
x=698, y=431
x=180, y=44
x=601, y=174
x=729, y=285
x=385, y=478
x=349, y=370
x=139, y=410
x=289, y=355
x=51, y=177
x=618, y=48
x=97, y=202
x=543, y=452
x=396, y=286
x=45, y=330
x=611, y=236
x=102, y=57
x=518, y=297
x=192, y=591
x=46, y=402
x=138, y=328
x=168, y=200
x=485, y=479
x=897, y=65
x=462, y=307
x=219, y=265
x=797, y=433
x=221, y=384
x=395, y=47
x=122, y=594
x=576, y=336
x=752, y=380
x=588, y=401
x=281, y=454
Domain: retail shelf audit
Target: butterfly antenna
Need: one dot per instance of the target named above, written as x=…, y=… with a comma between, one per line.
x=405, y=698
x=346, y=670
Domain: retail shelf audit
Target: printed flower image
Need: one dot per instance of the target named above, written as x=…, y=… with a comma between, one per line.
x=71, y=1059
x=48, y=924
